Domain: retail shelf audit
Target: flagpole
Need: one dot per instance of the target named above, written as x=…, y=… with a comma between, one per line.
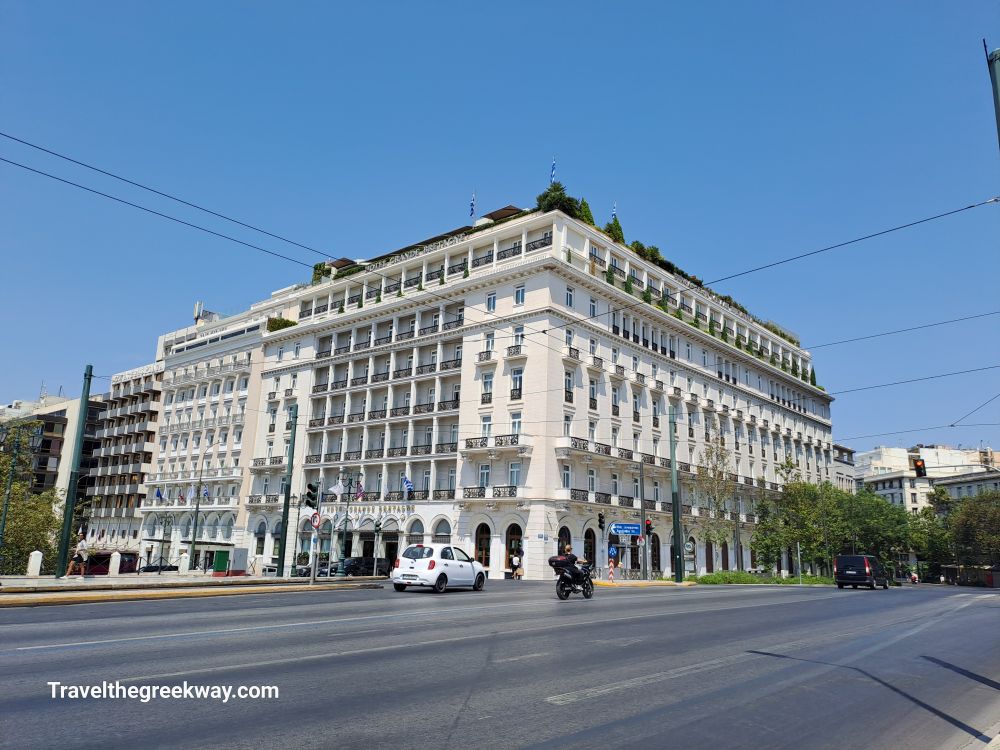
x=197, y=510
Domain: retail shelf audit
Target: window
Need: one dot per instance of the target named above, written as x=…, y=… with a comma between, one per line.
x=491, y=302
x=568, y=380
x=488, y=340
x=593, y=346
x=593, y=307
x=518, y=335
x=488, y=382
x=514, y=474
x=569, y=337
x=591, y=480
x=614, y=484
x=656, y=492
x=564, y=470
x=593, y=388
x=519, y=294
x=635, y=363
x=295, y=351
x=635, y=487
x=614, y=355
x=614, y=436
x=516, y=378
x=592, y=430
x=515, y=422
x=567, y=424
x=487, y=425
x=484, y=475
x=281, y=353
x=569, y=296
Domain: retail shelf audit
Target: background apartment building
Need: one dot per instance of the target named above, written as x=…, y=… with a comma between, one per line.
x=889, y=471
x=127, y=432
x=498, y=371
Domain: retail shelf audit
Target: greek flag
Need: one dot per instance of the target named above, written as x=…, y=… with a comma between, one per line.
x=552, y=174
x=407, y=484
x=614, y=211
x=337, y=489
x=205, y=492
x=472, y=204
x=159, y=495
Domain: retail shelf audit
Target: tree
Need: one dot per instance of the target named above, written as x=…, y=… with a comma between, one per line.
x=930, y=537
x=812, y=376
x=975, y=526
x=940, y=500
x=653, y=254
x=585, y=212
x=556, y=199
x=614, y=230
x=32, y=520
x=716, y=490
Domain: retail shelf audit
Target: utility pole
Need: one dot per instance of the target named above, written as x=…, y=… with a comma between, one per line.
x=293, y=417
x=675, y=496
x=74, y=476
x=993, y=63
x=192, y=559
x=642, y=521
x=739, y=538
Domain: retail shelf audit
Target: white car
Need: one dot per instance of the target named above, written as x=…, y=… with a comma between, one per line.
x=439, y=566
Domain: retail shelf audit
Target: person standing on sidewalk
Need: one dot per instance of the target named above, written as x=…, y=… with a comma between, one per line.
x=79, y=557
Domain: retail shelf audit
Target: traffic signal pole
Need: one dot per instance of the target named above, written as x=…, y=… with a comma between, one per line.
x=293, y=418
x=74, y=476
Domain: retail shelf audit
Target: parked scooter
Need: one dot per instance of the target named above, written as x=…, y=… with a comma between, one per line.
x=571, y=579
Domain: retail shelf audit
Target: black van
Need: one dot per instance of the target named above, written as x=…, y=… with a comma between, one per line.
x=859, y=570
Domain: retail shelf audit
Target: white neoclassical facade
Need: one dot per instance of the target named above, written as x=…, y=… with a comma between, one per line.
x=519, y=374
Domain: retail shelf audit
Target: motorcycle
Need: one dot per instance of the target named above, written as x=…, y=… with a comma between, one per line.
x=567, y=583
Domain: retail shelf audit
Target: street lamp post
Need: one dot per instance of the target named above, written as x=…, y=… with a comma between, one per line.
x=192, y=564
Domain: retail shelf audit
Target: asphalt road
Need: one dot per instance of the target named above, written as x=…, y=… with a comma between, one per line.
x=513, y=667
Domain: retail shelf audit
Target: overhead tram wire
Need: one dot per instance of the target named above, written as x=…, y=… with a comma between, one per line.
x=914, y=380
x=985, y=403
x=156, y=213
x=916, y=429
x=692, y=287
x=903, y=330
x=531, y=330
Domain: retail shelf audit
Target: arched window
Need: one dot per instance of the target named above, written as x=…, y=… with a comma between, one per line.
x=709, y=557
x=187, y=529
x=725, y=555
x=227, y=531
x=590, y=545
x=150, y=527
x=416, y=533
x=483, y=538
x=564, y=539
x=654, y=554
x=442, y=532
x=513, y=542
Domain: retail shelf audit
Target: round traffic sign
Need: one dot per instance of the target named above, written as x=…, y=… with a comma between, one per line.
x=612, y=551
x=315, y=520
x=689, y=547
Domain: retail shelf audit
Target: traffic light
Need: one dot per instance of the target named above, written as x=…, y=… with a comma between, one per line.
x=600, y=521
x=312, y=498
x=920, y=467
x=649, y=528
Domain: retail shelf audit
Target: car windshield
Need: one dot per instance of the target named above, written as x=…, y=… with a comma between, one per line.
x=853, y=561
x=418, y=553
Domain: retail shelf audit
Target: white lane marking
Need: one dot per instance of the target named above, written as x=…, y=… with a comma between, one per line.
x=651, y=679
x=312, y=623
x=560, y=625
x=521, y=657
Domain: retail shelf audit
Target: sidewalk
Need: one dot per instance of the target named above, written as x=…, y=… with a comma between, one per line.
x=32, y=592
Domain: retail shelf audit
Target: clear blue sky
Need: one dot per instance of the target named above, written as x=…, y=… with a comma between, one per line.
x=729, y=135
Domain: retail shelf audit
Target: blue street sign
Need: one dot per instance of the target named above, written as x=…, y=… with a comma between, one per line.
x=612, y=552
x=625, y=529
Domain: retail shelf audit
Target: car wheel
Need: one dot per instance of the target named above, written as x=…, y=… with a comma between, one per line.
x=840, y=585
x=854, y=585
x=399, y=586
x=871, y=586
x=480, y=582
x=886, y=584
x=440, y=584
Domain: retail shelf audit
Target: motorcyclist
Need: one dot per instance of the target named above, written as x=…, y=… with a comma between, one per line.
x=573, y=560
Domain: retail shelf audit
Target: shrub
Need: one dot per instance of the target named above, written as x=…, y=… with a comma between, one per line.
x=399, y=292
x=465, y=273
x=276, y=324
x=441, y=280
x=628, y=285
x=555, y=198
x=585, y=212
x=609, y=276
x=341, y=310
x=420, y=287
x=378, y=297
x=647, y=296
x=614, y=230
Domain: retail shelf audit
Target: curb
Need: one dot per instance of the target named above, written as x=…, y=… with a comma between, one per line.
x=48, y=600
x=643, y=584
x=154, y=584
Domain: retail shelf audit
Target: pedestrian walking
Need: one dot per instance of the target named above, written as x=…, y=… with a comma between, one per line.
x=517, y=566
x=79, y=558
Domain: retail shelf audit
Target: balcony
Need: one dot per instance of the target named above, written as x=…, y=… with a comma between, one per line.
x=405, y=335
x=509, y=252
x=571, y=353
x=373, y=293
x=472, y=493
x=517, y=350
x=486, y=398
x=444, y=494
x=598, y=261
x=656, y=422
x=445, y=405
x=352, y=455
x=427, y=330
x=506, y=440
x=568, y=397
x=342, y=349
x=421, y=450
x=458, y=267
x=602, y=498
x=375, y=453
x=625, y=453
x=625, y=501
x=424, y=408
x=515, y=394
x=335, y=419
x=635, y=417
x=505, y=491
x=331, y=457
x=620, y=371
x=486, y=356
x=376, y=414
x=360, y=380
x=355, y=416
x=482, y=260
x=446, y=447
x=314, y=458
x=427, y=368
x=399, y=411
x=320, y=388
x=451, y=325
x=435, y=275
x=361, y=345
x=272, y=395
x=317, y=422
x=596, y=363
x=412, y=282
x=580, y=496
x=579, y=444
x=545, y=241
x=602, y=449
x=593, y=404
x=380, y=377
x=451, y=364
x=403, y=372
x=615, y=410
x=397, y=452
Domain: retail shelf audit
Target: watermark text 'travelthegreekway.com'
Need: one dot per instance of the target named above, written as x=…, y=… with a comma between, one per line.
x=146, y=693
